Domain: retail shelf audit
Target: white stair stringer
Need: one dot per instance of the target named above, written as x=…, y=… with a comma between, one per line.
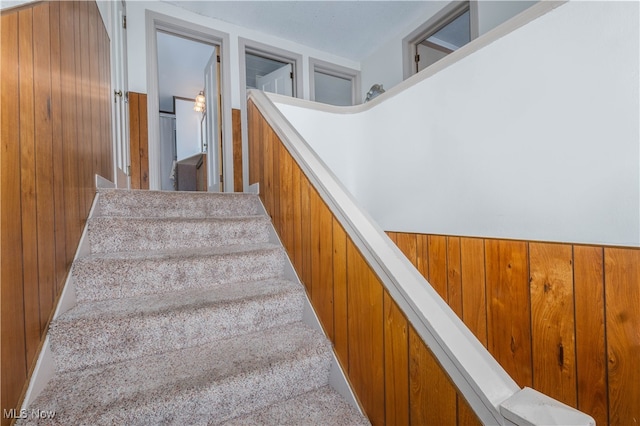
x=187, y=314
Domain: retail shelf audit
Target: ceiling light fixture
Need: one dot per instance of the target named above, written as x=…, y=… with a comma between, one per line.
x=200, y=105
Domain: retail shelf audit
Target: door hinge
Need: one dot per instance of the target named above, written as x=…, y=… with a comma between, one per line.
x=218, y=58
x=124, y=21
x=128, y=170
x=417, y=58
x=291, y=75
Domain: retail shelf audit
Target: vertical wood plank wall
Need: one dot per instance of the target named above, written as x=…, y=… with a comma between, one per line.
x=138, y=141
x=561, y=318
x=56, y=124
x=393, y=373
x=236, y=121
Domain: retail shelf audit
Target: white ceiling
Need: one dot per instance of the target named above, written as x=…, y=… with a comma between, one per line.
x=351, y=29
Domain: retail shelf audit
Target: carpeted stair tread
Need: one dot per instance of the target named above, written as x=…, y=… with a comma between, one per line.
x=323, y=406
x=128, y=274
x=205, y=384
x=143, y=203
x=136, y=234
x=104, y=332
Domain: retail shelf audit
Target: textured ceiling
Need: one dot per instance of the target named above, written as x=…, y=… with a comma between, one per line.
x=351, y=29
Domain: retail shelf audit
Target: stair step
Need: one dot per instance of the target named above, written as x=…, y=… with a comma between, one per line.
x=143, y=203
x=136, y=234
x=109, y=331
x=322, y=406
x=205, y=384
x=129, y=274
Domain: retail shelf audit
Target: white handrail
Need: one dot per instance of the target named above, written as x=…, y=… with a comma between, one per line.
x=489, y=390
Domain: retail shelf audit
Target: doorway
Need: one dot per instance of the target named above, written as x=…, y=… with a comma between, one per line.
x=269, y=74
x=183, y=137
x=156, y=23
x=447, y=36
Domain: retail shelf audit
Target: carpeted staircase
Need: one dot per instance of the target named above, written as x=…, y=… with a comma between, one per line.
x=185, y=316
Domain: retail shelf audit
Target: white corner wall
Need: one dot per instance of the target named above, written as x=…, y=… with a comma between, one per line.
x=535, y=136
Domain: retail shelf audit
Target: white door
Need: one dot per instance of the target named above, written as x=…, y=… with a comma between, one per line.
x=279, y=81
x=212, y=126
x=120, y=121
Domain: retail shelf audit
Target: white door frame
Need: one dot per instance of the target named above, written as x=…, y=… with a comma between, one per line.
x=120, y=106
x=157, y=21
x=336, y=71
x=254, y=47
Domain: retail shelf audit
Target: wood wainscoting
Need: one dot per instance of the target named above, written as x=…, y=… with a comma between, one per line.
x=561, y=318
x=393, y=374
x=56, y=136
x=138, y=141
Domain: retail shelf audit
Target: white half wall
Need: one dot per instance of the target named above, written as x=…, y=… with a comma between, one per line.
x=535, y=136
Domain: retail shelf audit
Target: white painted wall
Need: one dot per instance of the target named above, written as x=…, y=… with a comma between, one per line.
x=188, y=132
x=385, y=65
x=492, y=13
x=536, y=136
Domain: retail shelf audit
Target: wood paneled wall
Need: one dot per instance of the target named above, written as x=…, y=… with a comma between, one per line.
x=236, y=120
x=56, y=135
x=561, y=318
x=138, y=141
x=394, y=375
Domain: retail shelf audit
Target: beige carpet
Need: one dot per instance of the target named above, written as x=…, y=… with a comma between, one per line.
x=184, y=316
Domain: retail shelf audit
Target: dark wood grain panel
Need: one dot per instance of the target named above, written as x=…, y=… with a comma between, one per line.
x=267, y=159
x=322, y=261
x=622, y=290
x=70, y=138
x=296, y=228
x=396, y=363
x=474, y=301
x=14, y=366
x=340, y=310
x=432, y=396
x=58, y=150
x=286, y=201
x=83, y=97
x=407, y=243
x=552, y=320
x=253, y=136
x=236, y=125
x=437, y=246
x=44, y=162
x=422, y=253
x=134, y=141
x=28, y=185
x=305, y=231
x=48, y=165
x=454, y=275
x=143, y=141
x=508, y=307
x=591, y=356
x=365, y=330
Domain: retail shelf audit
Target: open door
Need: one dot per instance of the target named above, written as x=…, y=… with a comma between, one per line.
x=279, y=81
x=213, y=129
x=120, y=122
